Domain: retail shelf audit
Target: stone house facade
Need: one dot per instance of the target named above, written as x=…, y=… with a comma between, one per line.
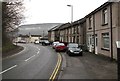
x=99, y=30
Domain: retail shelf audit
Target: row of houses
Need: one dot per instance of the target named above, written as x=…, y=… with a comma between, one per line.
x=99, y=30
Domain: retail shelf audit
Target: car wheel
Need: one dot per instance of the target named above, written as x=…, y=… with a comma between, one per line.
x=69, y=54
x=56, y=50
x=81, y=54
x=66, y=52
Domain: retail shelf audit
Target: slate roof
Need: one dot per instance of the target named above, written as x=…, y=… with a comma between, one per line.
x=99, y=8
x=55, y=28
x=66, y=25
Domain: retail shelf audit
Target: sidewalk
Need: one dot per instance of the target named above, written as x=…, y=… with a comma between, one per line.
x=89, y=66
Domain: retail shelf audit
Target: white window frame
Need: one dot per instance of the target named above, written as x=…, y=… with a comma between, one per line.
x=105, y=36
x=105, y=16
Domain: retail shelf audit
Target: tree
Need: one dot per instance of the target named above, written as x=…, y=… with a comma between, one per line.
x=11, y=17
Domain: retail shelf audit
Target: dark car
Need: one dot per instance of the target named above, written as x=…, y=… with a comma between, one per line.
x=60, y=47
x=74, y=49
x=45, y=43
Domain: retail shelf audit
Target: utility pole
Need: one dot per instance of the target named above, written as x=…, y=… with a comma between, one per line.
x=71, y=20
x=71, y=12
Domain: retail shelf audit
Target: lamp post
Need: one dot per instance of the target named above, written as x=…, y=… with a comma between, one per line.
x=71, y=21
x=71, y=12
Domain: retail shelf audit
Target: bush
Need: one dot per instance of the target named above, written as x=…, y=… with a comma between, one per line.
x=8, y=47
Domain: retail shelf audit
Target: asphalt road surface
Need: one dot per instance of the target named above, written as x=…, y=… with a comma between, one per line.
x=34, y=62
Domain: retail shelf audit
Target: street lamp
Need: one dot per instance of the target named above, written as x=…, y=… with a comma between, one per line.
x=71, y=21
x=71, y=12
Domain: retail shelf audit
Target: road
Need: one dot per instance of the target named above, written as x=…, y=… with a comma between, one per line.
x=42, y=62
x=34, y=62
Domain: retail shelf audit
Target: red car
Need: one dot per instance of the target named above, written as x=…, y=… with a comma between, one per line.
x=60, y=47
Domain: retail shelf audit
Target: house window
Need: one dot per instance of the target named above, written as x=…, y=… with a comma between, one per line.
x=90, y=39
x=72, y=30
x=106, y=40
x=69, y=30
x=90, y=23
x=77, y=40
x=105, y=16
x=78, y=30
x=75, y=30
x=65, y=31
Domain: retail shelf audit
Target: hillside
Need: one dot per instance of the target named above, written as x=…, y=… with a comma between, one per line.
x=36, y=29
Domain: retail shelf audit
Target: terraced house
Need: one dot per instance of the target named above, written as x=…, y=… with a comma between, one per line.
x=64, y=32
x=102, y=29
x=99, y=30
x=53, y=34
x=73, y=32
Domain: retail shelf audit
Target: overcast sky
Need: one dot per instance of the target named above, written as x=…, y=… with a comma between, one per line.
x=57, y=11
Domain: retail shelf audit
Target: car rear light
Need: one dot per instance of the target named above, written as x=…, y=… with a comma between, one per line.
x=60, y=47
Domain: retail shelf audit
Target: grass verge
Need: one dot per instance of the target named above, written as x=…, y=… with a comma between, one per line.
x=10, y=49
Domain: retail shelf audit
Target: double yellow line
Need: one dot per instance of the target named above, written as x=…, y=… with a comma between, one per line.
x=57, y=67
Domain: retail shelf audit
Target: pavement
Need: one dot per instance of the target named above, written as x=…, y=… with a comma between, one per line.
x=88, y=66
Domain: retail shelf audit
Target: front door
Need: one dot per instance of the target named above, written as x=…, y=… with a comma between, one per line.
x=90, y=43
x=96, y=44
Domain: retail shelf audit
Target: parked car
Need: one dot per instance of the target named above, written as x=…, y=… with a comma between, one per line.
x=22, y=41
x=65, y=43
x=60, y=47
x=54, y=44
x=45, y=43
x=36, y=42
x=74, y=49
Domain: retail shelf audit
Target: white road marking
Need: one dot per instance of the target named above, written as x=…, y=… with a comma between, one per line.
x=38, y=48
x=30, y=58
x=38, y=52
x=8, y=69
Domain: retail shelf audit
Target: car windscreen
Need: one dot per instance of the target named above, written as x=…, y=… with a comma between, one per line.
x=46, y=41
x=73, y=45
x=60, y=44
x=55, y=42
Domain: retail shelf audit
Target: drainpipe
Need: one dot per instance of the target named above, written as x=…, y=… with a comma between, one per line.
x=59, y=34
x=94, y=33
x=111, y=32
x=70, y=34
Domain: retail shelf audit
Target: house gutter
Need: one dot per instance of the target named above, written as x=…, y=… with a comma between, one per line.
x=111, y=30
x=94, y=32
